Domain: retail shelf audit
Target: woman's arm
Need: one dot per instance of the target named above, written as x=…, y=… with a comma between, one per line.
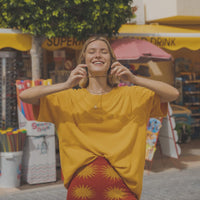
x=32, y=95
x=166, y=92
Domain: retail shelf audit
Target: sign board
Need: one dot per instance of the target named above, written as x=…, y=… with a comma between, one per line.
x=153, y=128
x=62, y=42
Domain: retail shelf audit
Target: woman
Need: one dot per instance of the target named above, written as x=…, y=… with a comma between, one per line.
x=101, y=127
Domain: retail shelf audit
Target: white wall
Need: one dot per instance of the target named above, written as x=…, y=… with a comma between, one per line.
x=158, y=9
x=188, y=7
x=140, y=16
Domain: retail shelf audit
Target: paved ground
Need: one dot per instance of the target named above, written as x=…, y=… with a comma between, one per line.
x=167, y=185
x=168, y=179
x=172, y=185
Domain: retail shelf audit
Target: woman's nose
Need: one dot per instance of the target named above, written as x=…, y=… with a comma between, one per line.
x=97, y=54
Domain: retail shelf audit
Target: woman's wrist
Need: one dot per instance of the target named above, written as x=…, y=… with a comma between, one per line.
x=64, y=86
x=134, y=79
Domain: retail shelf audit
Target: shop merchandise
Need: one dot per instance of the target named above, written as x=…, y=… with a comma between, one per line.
x=153, y=129
x=24, y=108
x=189, y=82
x=8, y=102
x=12, y=140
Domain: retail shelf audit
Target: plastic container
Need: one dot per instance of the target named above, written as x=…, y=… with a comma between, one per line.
x=10, y=169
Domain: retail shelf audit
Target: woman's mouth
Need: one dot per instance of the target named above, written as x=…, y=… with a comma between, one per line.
x=97, y=62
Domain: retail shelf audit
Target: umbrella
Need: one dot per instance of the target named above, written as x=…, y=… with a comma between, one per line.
x=131, y=49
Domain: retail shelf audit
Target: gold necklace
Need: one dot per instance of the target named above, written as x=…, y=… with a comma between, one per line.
x=97, y=92
x=98, y=104
x=94, y=76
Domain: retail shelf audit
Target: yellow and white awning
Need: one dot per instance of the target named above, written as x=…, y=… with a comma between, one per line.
x=168, y=37
x=15, y=39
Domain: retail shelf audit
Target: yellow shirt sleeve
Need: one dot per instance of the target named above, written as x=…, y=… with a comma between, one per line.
x=46, y=111
x=158, y=109
x=149, y=101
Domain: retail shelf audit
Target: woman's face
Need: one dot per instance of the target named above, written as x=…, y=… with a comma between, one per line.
x=97, y=58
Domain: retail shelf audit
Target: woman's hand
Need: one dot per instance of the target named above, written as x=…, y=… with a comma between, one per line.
x=166, y=92
x=33, y=94
x=76, y=75
x=122, y=72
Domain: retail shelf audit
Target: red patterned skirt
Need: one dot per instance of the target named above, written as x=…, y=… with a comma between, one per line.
x=98, y=181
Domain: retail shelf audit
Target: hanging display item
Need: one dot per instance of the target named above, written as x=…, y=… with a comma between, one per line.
x=8, y=102
x=24, y=108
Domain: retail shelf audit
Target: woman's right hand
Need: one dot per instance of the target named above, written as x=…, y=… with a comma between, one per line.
x=33, y=94
x=76, y=75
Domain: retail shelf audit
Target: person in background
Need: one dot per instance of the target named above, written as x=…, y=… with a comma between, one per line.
x=101, y=127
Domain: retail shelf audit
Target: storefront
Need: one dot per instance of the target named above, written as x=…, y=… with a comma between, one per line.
x=60, y=57
x=184, y=45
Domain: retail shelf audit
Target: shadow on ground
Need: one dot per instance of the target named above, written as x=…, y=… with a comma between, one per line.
x=190, y=156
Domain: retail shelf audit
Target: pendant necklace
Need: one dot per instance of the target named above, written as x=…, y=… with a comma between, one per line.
x=98, y=104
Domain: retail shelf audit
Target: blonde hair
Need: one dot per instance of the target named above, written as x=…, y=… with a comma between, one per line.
x=111, y=80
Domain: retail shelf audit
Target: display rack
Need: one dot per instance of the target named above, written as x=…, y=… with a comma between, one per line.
x=191, y=97
x=8, y=101
x=191, y=94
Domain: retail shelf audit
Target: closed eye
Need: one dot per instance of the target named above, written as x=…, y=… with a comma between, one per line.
x=104, y=52
x=91, y=52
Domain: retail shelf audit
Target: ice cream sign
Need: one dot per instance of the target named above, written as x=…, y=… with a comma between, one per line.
x=40, y=127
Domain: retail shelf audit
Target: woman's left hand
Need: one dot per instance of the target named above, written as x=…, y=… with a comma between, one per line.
x=122, y=72
x=166, y=92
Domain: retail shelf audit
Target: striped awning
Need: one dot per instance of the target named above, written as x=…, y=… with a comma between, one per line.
x=168, y=37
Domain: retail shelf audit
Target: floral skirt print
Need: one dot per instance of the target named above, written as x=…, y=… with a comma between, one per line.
x=98, y=181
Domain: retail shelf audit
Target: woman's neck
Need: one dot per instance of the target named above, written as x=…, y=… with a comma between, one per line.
x=98, y=85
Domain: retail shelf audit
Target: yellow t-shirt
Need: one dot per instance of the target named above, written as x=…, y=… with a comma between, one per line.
x=112, y=125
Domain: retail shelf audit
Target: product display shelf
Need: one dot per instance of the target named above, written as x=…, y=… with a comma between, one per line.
x=191, y=95
x=8, y=102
